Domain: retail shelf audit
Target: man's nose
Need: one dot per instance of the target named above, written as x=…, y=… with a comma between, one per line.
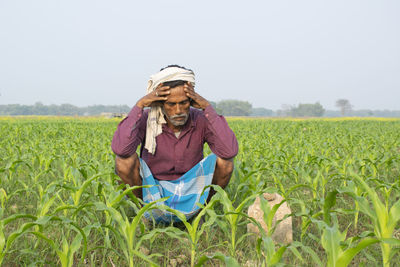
x=178, y=109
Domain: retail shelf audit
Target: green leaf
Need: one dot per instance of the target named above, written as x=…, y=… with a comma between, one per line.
x=43, y=220
x=346, y=257
x=16, y=217
x=2, y=241
x=329, y=202
x=330, y=240
x=277, y=257
x=11, y=238
x=391, y=241
x=45, y=238
x=229, y=261
x=394, y=215
x=293, y=249
x=79, y=193
x=313, y=255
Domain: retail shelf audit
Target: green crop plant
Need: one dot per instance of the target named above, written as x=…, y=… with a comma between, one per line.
x=232, y=215
x=229, y=261
x=332, y=240
x=385, y=217
x=81, y=187
x=67, y=250
x=193, y=231
x=125, y=230
x=3, y=201
x=266, y=247
x=6, y=242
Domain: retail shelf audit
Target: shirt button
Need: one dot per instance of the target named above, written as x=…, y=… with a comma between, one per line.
x=207, y=115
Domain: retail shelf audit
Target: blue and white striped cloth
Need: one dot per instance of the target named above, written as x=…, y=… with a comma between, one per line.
x=183, y=193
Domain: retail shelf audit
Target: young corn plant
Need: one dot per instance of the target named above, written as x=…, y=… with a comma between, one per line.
x=229, y=261
x=3, y=201
x=11, y=168
x=80, y=187
x=193, y=233
x=6, y=242
x=46, y=199
x=269, y=213
x=333, y=240
x=232, y=214
x=384, y=217
x=265, y=245
x=67, y=250
x=266, y=248
x=113, y=197
x=125, y=230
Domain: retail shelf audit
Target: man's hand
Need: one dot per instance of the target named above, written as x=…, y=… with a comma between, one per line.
x=198, y=101
x=160, y=94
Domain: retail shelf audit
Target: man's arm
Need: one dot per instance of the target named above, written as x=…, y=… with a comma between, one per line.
x=131, y=130
x=130, y=133
x=220, y=138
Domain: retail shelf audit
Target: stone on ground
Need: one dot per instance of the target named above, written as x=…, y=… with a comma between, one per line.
x=284, y=231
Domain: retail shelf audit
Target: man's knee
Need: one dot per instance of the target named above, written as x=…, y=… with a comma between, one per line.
x=125, y=166
x=225, y=166
x=223, y=172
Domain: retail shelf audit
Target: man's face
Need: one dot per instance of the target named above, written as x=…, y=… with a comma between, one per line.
x=176, y=107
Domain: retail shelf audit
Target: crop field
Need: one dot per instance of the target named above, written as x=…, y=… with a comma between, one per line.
x=61, y=203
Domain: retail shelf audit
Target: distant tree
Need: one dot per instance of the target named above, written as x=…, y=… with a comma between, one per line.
x=39, y=109
x=285, y=111
x=61, y=110
x=234, y=107
x=302, y=110
x=68, y=110
x=307, y=110
x=344, y=105
x=262, y=112
x=215, y=106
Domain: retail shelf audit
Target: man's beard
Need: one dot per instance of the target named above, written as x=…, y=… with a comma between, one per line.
x=173, y=120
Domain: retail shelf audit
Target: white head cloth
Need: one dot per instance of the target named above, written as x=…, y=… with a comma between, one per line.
x=156, y=116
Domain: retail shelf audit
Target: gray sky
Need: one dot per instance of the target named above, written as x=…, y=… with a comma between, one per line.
x=269, y=53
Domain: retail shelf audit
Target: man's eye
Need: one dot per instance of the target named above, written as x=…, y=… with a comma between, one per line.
x=171, y=104
x=184, y=102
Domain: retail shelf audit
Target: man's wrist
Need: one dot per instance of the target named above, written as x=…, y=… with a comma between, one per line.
x=139, y=105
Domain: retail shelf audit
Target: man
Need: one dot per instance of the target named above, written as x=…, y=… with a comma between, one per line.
x=172, y=134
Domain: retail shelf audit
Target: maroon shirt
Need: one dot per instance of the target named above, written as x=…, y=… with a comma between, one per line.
x=175, y=156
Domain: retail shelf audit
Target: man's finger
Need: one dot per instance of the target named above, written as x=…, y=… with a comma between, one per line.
x=162, y=93
x=191, y=95
x=163, y=88
x=187, y=86
x=190, y=85
x=189, y=90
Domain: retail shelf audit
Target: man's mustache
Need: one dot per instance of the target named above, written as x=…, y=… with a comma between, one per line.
x=179, y=116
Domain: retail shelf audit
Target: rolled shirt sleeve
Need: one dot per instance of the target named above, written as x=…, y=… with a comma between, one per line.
x=220, y=138
x=130, y=133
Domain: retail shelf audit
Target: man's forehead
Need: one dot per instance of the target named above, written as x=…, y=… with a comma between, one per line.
x=176, y=95
x=175, y=100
